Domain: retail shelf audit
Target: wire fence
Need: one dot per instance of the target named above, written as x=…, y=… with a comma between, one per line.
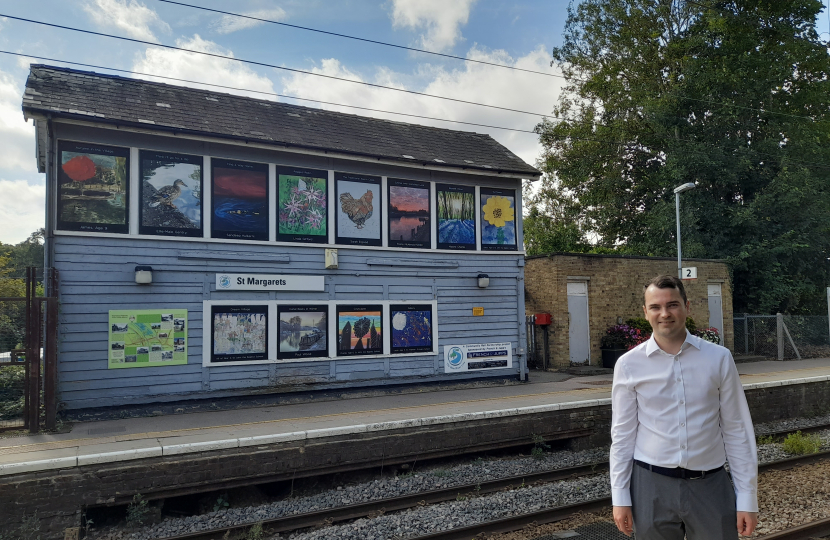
x=782, y=337
x=12, y=365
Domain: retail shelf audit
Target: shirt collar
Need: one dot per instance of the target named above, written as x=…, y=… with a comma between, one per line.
x=652, y=346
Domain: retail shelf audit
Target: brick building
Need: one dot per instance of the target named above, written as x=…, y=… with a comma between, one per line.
x=586, y=293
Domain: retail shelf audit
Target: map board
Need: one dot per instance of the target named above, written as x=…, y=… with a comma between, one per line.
x=147, y=338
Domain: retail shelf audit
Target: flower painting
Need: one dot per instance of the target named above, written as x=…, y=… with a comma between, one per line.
x=303, y=206
x=240, y=200
x=171, y=194
x=456, y=216
x=93, y=182
x=498, y=219
x=359, y=330
x=411, y=328
x=358, y=209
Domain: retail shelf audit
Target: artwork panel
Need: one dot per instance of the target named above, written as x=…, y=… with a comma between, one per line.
x=303, y=331
x=147, y=338
x=171, y=194
x=359, y=209
x=411, y=327
x=240, y=200
x=359, y=329
x=410, y=220
x=93, y=188
x=302, y=201
x=498, y=219
x=456, y=209
x=240, y=333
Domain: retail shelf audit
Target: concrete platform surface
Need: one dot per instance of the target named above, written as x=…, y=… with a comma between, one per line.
x=136, y=438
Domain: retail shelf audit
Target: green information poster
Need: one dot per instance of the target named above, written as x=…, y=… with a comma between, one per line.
x=147, y=338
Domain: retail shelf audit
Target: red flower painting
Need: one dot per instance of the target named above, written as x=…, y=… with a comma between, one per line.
x=79, y=168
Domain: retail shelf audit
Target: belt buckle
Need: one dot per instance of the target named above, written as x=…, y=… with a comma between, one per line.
x=702, y=475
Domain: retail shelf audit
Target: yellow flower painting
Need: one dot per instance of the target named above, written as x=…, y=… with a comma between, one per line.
x=497, y=211
x=498, y=219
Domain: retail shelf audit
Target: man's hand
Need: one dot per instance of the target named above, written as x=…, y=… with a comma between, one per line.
x=746, y=522
x=625, y=521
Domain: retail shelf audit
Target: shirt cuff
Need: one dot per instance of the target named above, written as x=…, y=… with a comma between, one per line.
x=746, y=502
x=621, y=497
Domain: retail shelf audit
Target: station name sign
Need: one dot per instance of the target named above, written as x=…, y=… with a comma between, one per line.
x=268, y=282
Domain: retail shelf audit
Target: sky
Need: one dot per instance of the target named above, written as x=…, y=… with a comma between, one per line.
x=518, y=33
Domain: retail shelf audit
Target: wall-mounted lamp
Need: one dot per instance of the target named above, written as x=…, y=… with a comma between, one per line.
x=483, y=281
x=143, y=275
x=331, y=259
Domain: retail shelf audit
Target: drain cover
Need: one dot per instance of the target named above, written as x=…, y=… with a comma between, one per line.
x=595, y=531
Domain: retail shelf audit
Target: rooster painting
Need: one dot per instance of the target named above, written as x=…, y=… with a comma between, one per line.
x=358, y=210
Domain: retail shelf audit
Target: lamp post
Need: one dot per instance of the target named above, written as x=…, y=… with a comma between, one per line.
x=677, y=191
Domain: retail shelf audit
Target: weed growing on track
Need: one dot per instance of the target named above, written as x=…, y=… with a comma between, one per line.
x=255, y=532
x=540, y=447
x=137, y=511
x=221, y=502
x=764, y=439
x=799, y=444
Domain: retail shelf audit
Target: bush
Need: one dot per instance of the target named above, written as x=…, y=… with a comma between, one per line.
x=709, y=334
x=799, y=444
x=622, y=336
x=690, y=325
x=641, y=324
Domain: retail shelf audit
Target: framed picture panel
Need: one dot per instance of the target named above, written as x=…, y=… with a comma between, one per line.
x=147, y=338
x=303, y=331
x=456, y=209
x=410, y=222
x=302, y=202
x=498, y=219
x=93, y=188
x=411, y=328
x=240, y=333
x=358, y=209
x=240, y=200
x=171, y=194
x=359, y=329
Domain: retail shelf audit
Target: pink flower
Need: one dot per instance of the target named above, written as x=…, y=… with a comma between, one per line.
x=314, y=218
x=293, y=206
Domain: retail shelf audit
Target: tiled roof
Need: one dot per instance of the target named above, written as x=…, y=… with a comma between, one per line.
x=107, y=98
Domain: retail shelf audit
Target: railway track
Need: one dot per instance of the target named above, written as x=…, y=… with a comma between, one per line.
x=374, y=508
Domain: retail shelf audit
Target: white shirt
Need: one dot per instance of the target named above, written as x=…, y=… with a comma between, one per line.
x=685, y=410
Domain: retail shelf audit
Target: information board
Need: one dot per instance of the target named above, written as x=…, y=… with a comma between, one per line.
x=477, y=357
x=147, y=338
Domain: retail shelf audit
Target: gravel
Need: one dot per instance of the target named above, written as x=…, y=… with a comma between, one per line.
x=423, y=520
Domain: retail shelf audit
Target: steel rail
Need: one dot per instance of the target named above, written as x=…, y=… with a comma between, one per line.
x=816, y=529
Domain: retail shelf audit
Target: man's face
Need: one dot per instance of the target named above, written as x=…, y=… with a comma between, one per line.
x=666, y=312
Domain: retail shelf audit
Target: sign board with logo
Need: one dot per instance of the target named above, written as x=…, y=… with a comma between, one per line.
x=477, y=357
x=269, y=282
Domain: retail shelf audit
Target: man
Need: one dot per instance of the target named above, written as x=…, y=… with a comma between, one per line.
x=678, y=413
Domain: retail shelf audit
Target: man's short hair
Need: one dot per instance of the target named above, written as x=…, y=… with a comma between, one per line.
x=666, y=282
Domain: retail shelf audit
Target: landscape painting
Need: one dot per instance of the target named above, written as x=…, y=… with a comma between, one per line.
x=498, y=219
x=358, y=210
x=240, y=200
x=240, y=333
x=411, y=328
x=303, y=331
x=409, y=218
x=93, y=188
x=359, y=330
x=456, y=217
x=171, y=194
x=302, y=202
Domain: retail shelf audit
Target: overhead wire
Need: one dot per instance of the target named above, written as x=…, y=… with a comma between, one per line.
x=142, y=73
x=356, y=38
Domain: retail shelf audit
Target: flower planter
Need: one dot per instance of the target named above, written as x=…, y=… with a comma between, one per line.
x=610, y=357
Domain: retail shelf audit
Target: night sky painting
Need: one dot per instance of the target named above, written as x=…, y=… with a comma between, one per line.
x=240, y=200
x=409, y=216
x=411, y=328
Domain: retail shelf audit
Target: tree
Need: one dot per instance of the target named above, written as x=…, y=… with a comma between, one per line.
x=731, y=94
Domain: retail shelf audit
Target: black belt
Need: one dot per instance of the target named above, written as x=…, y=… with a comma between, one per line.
x=677, y=472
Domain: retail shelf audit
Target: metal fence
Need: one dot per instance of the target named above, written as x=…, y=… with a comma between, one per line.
x=782, y=337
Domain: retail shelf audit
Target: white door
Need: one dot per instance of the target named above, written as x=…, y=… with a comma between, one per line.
x=716, y=309
x=578, y=336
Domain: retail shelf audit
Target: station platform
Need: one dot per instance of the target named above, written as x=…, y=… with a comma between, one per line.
x=111, y=441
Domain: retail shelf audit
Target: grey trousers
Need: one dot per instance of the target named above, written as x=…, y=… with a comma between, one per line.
x=667, y=508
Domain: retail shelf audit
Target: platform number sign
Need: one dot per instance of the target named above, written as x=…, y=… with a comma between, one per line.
x=689, y=273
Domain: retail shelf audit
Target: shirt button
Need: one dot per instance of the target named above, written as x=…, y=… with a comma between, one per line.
x=675, y=359
x=682, y=424
x=678, y=379
x=682, y=402
x=683, y=446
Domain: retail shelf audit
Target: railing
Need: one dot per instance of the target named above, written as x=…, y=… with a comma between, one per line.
x=782, y=337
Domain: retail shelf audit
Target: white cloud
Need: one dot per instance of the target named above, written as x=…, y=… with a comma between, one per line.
x=25, y=215
x=17, y=137
x=441, y=20
x=198, y=67
x=473, y=82
x=229, y=23
x=130, y=16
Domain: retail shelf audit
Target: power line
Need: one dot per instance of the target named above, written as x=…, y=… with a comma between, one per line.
x=273, y=66
x=262, y=92
x=376, y=42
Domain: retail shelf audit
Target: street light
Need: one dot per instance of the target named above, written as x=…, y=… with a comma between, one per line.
x=677, y=191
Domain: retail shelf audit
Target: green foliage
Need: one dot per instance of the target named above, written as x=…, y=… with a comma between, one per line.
x=255, y=532
x=540, y=447
x=29, y=529
x=799, y=444
x=12, y=392
x=640, y=323
x=221, y=502
x=735, y=98
x=690, y=325
x=764, y=439
x=137, y=511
